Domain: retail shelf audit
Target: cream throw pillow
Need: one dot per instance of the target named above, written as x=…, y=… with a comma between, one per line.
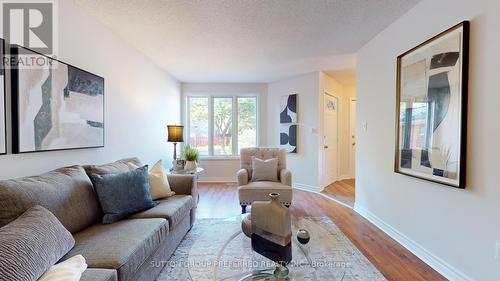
x=158, y=181
x=264, y=170
x=68, y=270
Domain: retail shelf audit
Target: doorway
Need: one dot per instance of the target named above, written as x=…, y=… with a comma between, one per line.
x=342, y=187
x=330, y=139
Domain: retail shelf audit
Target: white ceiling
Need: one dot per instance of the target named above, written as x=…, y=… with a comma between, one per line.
x=248, y=40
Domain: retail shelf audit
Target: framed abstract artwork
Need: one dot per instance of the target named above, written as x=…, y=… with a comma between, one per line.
x=288, y=122
x=288, y=138
x=3, y=107
x=288, y=109
x=55, y=106
x=431, y=110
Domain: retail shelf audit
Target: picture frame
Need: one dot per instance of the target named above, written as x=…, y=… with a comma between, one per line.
x=288, y=122
x=431, y=108
x=56, y=106
x=3, y=100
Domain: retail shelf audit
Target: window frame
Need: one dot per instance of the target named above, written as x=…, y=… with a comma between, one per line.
x=234, y=127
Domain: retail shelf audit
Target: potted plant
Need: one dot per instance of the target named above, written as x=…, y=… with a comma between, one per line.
x=191, y=155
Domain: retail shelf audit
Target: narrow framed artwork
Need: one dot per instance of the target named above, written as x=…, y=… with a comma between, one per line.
x=55, y=106
x=288, y=109
x=431, y=109
x=3, y=107
x=288, y=138
x=288, y=122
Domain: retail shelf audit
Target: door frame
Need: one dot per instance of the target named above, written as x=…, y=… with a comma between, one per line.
x=324, y=182
x=352, y=172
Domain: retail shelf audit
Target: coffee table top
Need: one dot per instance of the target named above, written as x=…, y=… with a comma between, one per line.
x=320, y=259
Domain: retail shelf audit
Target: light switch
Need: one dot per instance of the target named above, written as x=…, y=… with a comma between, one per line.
x=365, y=126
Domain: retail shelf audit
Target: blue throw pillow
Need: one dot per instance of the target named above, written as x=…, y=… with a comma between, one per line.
x=123, y=194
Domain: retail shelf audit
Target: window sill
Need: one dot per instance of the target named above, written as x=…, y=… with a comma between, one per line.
x=220, y=158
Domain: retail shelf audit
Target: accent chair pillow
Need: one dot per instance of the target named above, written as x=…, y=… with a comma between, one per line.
x=264, y=170
x=158, y=181
x=123, y=194
x=31, y=244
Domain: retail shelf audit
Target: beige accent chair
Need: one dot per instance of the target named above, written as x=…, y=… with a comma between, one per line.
x=250, y=191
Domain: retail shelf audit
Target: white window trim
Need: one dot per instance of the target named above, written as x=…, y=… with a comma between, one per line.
x=234, y=132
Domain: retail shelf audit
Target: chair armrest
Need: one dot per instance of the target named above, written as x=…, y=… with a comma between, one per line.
x=286, y=177
x=242, y=177
x=185, y=185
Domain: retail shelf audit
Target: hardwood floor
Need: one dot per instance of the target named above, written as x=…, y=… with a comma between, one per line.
x=220, y=200
x=343, y=191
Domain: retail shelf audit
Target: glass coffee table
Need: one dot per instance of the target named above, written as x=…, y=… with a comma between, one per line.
x=234, y=259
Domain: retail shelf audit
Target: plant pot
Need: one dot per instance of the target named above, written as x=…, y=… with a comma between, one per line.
x=190, y=165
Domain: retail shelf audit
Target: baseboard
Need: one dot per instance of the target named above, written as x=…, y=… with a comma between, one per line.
x=307, y=187
x=217, y=179
x=445, y=269
x=345, y=177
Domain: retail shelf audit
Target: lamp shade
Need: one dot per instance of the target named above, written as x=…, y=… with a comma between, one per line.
x=175, y=133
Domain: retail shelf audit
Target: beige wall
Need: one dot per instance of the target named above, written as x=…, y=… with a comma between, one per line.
x=224, y=169
x=140, y=99
x=454, y=230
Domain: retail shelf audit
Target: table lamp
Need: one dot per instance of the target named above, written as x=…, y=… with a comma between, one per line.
x=175, y=135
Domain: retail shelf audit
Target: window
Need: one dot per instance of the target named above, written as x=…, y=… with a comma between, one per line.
x=221, y=125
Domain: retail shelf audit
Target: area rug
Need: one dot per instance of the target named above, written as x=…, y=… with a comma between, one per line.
x=215, y=249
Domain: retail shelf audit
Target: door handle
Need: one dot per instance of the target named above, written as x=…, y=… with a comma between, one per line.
x=325, y=147
x=353, y=144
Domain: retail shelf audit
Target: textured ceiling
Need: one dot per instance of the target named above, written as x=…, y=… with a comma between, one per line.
x=247, y=40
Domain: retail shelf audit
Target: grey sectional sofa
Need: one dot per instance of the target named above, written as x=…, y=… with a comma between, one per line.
x=136, y=248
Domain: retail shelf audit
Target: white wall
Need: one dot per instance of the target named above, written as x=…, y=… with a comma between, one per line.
x=454, y=230
x=140, y=99
x=219, y=169
x=304, y=164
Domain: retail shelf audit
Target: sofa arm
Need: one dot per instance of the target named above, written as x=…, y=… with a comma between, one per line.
x=286, y=177
x=185, y=185
x=242, y=177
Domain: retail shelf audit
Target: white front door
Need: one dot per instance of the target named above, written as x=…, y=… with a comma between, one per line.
x=330, y=139
x=352, y=138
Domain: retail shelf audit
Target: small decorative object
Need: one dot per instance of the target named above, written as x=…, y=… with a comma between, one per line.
x=3, y=125
x=55, y=106
x=179, y=164
x=191, y=156
x=431, y=111
x=272, y=233
x=303, y=236
x=175, y=135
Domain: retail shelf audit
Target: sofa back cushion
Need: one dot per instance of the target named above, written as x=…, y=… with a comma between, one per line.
x=119, y=166
x=31, y=244
x=263, y=153
x=67, y=192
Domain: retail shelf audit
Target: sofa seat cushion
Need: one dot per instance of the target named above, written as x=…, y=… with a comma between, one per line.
x=174, y=209
x=99, y=274
x=124, y=245
x=260, y=190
